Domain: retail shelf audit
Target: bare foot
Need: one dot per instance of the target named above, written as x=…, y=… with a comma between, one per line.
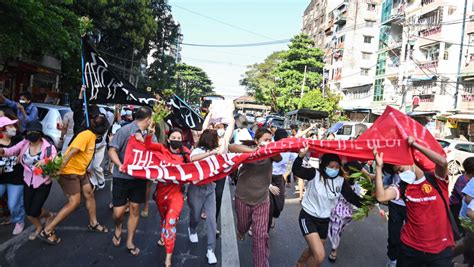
x=35, y=234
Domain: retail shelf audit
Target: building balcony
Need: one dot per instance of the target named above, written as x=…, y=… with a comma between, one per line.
x=432, y=64
x=431, y=102
x=341, y=18
x=397, y=15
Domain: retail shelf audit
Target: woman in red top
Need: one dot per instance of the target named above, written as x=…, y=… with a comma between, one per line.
x=168, y=196
x=427, y=236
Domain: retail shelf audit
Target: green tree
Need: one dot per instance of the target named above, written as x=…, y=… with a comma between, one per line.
x=260, y=80
x=315, y=100
x=278, y=80
x=37, y=27
x=192, y=83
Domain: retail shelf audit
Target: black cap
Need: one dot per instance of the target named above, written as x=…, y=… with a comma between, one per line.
x=34, y=126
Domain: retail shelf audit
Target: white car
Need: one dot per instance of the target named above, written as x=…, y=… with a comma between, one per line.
x=50, y=117
x=345, y=130
x=456, y=152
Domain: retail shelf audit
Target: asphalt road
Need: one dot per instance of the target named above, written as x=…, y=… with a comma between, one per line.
x=363, y=243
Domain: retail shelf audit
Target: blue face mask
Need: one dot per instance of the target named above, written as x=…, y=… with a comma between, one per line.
x=332, y=173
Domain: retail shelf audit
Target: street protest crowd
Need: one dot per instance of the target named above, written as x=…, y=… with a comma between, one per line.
x=426, y=227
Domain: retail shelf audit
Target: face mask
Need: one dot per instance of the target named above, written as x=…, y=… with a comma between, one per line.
x=33, y=137
x=264, y=143
x=175, y=144
x=332, y=173
x=408, y=176
x=22, y=101
x=11, y=131
x=220, y=132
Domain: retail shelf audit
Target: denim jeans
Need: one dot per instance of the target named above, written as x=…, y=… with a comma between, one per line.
x=15, y=201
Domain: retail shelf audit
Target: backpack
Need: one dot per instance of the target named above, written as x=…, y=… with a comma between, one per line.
x=432, y=180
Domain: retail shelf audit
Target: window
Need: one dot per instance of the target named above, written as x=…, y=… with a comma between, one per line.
x=370, y=7
x=366, y=55
x=369, y=23
x=463, y=147
x=368, y=39
x=364, y=72
x=443, y=143
x=345, y=130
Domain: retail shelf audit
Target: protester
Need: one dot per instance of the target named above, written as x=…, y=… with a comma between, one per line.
x=74, y=179
x=427, y=235
x=397, y=215
x=294, y=130
x=127, y=189
x=241, y=133
x=127, y=117
x=467, y=214
x=11, y=173
x=326, y=185
x=277, y=186
x=31, y=154
x=168, y=196
x=455, y=201
x=25, y=110
x=252, y=204
x=341, y=215
x=97, y=177
x=203, y=197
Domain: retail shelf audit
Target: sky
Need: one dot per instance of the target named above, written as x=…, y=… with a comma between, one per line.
x=252, y=22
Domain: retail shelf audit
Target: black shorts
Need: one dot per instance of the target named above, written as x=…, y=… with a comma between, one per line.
x=310, y=224
x=124, y=190
x=34, y=198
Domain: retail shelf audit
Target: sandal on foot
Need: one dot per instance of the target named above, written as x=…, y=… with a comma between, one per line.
x=332, y=257
x=46, y=237
x=98, y=228
x=134, y=251
x=144, y=214
x=161, y=243
x=116, y=240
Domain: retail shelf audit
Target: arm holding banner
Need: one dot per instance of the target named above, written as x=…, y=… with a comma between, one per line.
x=381, y=193
x=441, y=170
x=300, y=171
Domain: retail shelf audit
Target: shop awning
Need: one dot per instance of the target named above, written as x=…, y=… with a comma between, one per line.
x=462, y=117
x=364, y=87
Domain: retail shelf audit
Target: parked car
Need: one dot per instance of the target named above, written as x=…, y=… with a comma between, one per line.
x=345, y=130
x=274, y=120
x=50, y=117
x=456, y=152
x=250, y=118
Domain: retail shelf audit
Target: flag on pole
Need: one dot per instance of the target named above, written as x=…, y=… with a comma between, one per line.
x=185, y=115
x=104, y=86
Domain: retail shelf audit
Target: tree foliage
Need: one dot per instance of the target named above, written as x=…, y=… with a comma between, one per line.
x=278, y=81
x=192, y=83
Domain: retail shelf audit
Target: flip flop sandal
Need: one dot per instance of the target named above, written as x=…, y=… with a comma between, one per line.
x=98, y=228
x=144, y=214
x=332, y=257
x=134, y=251
x=5, y=222
x=116, y=240
x=161, y=243
x=46, y=237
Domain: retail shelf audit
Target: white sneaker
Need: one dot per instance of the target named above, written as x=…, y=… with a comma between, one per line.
x=391, y=263
x=193, y=237
x=18, y=228
x=211, y=257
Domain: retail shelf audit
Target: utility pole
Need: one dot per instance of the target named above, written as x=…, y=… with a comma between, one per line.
x=304, y=81
x=461, y=48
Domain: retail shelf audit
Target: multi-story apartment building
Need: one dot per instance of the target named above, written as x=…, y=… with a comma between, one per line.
x=347, y=31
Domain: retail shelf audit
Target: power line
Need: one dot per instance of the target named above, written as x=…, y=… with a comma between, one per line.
x=225, y=23
x=284, y=41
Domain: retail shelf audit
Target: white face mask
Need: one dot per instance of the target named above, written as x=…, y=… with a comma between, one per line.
x=264, y=143
x=22, y=101
x=11, y=131
x=408, y=176
x=220, y=132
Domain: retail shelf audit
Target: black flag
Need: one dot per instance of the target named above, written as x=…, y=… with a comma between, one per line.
x=185, y=115
x=104, y=86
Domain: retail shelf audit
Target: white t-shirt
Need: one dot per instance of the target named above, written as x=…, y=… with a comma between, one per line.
x=279, y=168
x=319, y=200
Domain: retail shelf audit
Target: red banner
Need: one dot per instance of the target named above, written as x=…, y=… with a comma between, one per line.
x=388, y=133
